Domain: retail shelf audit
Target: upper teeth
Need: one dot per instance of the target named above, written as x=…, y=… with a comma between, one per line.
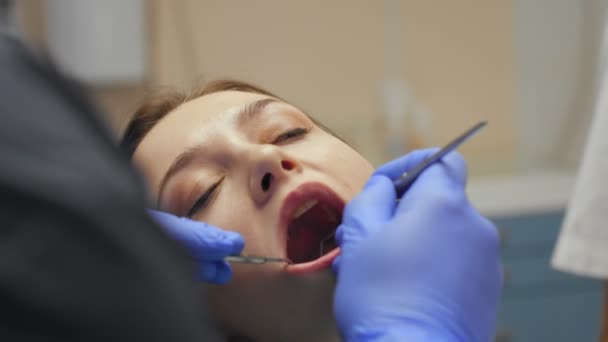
x=304, y=208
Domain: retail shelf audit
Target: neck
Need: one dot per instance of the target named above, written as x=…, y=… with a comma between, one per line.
x=294, y=309
x=330, y=336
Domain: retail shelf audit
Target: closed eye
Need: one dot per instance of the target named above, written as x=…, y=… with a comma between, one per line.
x=290, y=135
x=203, y=200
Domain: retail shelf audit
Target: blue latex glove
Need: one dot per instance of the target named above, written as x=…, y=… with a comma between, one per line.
x=425, y=268
x=208, y=245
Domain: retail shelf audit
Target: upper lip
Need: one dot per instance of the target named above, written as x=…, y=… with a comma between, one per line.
x=300, y=195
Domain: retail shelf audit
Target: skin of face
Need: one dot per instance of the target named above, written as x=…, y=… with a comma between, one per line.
x=262, y=302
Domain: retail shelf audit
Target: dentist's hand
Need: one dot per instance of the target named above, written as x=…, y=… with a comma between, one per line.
x=425, y=268
x=208, y=245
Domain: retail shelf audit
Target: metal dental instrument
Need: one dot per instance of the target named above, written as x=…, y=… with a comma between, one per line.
x=401, y=185
x=249, y=259
x=325, y=240
x=407, y=179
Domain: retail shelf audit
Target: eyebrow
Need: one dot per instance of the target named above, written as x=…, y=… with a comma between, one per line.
x=251, y=110
x=245, y=114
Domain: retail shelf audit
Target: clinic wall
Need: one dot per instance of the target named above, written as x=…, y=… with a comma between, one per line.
x=557, y=54
x=327, y=57
x=116, y=100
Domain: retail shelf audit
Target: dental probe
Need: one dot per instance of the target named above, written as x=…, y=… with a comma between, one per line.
x=401, y=185
x=248, y=259
x=407, y=179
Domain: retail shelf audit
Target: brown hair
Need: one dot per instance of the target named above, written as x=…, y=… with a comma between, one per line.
x=156, y=107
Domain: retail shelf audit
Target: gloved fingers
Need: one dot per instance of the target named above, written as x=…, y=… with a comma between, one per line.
x=489, y=236
x=455, y=167
x=217, y=272
x=369, y=210
x=395, y=168
x=373, y=206
x=445, y=179
x=212, y=243
x=203, y=241
x=335, y=265
x=339, y=236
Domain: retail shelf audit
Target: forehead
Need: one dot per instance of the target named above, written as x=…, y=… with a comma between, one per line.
x=184, y=126
x=221, y=106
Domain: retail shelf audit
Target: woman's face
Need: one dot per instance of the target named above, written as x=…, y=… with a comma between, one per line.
x=258, y=166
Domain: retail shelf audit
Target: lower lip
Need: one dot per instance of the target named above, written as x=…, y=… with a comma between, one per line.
x=315, y=265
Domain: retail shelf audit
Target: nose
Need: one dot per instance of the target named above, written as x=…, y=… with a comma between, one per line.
x=270, y=168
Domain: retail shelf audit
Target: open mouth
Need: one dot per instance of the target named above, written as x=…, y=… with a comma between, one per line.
x=315, y=213
x=311, y=234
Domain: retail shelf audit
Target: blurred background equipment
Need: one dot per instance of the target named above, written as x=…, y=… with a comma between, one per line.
x=97, y=42
x=388, y=76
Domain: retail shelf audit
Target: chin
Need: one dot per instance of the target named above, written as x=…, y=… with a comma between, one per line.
x=277, y=306
x=275, y=302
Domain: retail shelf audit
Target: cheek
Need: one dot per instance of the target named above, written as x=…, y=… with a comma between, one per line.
x=345, y=164
x=246, y=221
